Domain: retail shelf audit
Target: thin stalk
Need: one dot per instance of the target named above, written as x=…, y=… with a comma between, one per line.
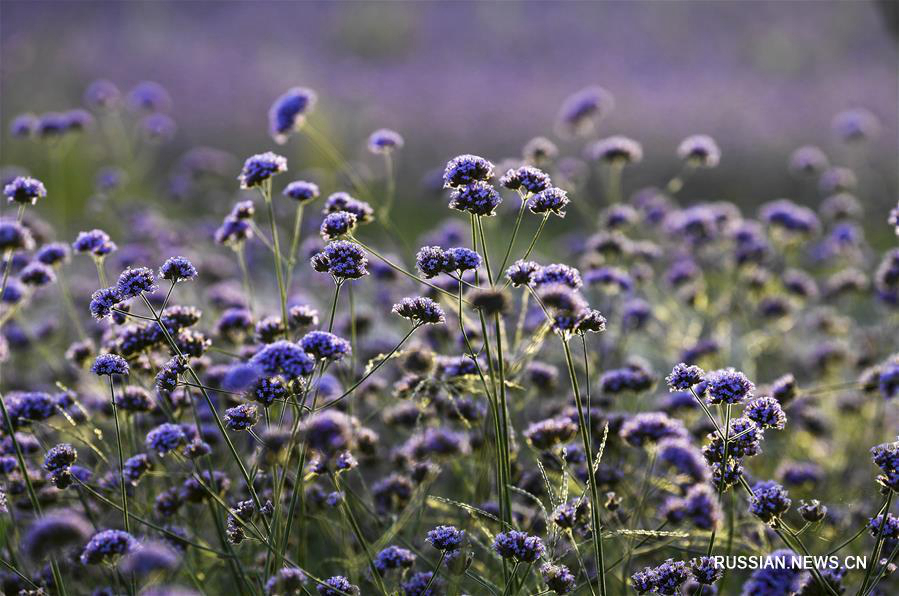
x=360, y=537
x=118, y=440
x=878, y=544
x=282, y=290
x=295, y=242
x=241, y=251
x=596, y=523
x=374, y=369
x=502, y=267
x=399, y=269
x=511, y=581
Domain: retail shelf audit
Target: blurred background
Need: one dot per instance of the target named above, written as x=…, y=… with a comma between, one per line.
x=761, y=77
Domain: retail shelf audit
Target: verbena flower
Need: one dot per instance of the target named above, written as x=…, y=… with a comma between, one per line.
x=466, y=169
x=705, y=571
x=341, y=201
x=37, y=275
x=342, y=259
x=242, y=417
x=769, y=501
x=165, y=438
x=136, y=466
x=684, y=376
x=552, y=200
x=337, y=224
x=284, y=357
x=329, y=432
x=520, y=273
x=558, y=578
x=433, y=260
x=518, y=546
x=686, y=459
x=394, y=557
x=24, y=190
x=289, y=111
x=558, y=273
x=153, y=556
x=95, y=242
x=856, y=125
x=812, y=511
x=766, y=412
x=288, y=580
x=477, y=198
x=106, y=546
x=780, y=573
x=549, y=433
x=462, y=259
x=322, y=345
x=419, y=310
x=728, y=387
x=446, y=538
x=110, y=364
x=583, y=109
x=149, y=96
x=135, y=281
x=886, y=457
x=888, y=526
x=52, y=254
x=699, y=151
x=55, y=532
x=261, y=167
x=60, y=457
x=617, y=150
x=302, y=191
x=383, y=141
x=669, y=576
x=177, y=269
x=651, y=427
x=528, y=179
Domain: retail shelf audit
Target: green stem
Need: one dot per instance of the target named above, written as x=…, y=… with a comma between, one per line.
x=282, y=290
x=118, y=440
x=502, y=267
x=596, y=522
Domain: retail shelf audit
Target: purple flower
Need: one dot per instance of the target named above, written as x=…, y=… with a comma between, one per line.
x=96, y=242
x=288, y=112
x=302, y=191
x=177, y=269
x=419, y=310
x=261, y=167
x=110, y=364
x=325, y=346
x=384, y=141
x=165, y=438
x=342, y=259
x=769, y=500
x=684, y=376
x=135, y=281
x=465, y=170
x=728, y=386
x=699, y=151
x=284, y=357
x=24, y=190
x=107, y=545
x=552, y=200
x=477, y=198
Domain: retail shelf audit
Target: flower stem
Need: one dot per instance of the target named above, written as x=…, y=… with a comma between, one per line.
x=118, y=440
x=596, y=523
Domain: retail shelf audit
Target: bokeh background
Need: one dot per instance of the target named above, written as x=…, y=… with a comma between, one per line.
x=454, y=77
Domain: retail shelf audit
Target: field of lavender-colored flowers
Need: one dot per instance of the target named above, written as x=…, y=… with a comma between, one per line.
x=332, y=365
